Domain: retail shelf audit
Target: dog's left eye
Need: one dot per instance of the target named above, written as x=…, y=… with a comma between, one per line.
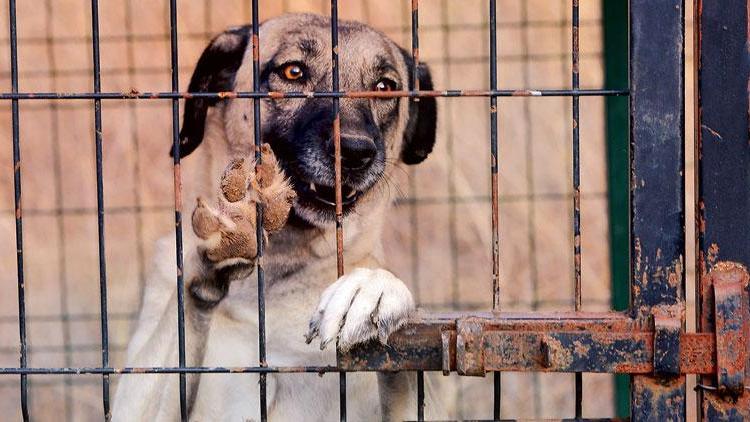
x=385, y=84
x=292, y=71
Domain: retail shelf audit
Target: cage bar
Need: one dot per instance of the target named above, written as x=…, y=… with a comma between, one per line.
x=575, y=83
x=337, y=178
x=136, y=95
x=19, y=208
x=100, y=204
x=495, y=194
x=259, y=238
x=657, y=192
x=722, y=182
x=174, y=68
x=414, y=86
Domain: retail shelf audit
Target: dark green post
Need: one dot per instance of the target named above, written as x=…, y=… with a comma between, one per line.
x=615, y=22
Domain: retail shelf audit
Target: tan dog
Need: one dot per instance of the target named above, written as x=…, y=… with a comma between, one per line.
x=367, y=304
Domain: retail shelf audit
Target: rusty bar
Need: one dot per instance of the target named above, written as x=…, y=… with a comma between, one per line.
x=137, y=95
x=595, y=342
x=104, y=320
x=731, y=345
x=575, y=84
x=667, y=346
x=259, y=233
x=337, y=179
x=549, y=342
x=21, y=284
x=657, y=191
x=722, y=183
x=495, y=188
x=470, y=347
x=174, y=69
x=414, y=86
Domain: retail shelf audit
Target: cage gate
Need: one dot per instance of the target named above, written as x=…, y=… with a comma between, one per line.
x=648, y=341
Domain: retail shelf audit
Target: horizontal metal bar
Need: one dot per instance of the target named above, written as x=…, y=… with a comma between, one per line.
x=512, y=341
x=170, y=370
x=546, y=342
x=137, y=95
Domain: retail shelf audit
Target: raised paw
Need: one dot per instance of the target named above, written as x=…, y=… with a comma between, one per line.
x=360, y=306
x=228, y=230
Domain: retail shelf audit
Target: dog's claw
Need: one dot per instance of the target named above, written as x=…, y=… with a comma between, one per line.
x=205, y=220
x=314, y=329
x=363, y=305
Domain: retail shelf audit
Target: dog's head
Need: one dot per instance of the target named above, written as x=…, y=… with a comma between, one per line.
x=295, y=55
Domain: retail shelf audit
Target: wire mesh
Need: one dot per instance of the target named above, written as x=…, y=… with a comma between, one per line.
x=143, y=211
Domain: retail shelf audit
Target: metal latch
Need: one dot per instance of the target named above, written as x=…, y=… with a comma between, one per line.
x=667, y=336
x=731, y=325
x=469, y=347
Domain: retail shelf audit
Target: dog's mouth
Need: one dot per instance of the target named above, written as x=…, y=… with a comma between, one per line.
x=325, y=196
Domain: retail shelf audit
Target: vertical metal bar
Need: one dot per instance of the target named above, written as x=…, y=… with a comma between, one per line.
x=415, y=45
x=615, y=25
x=420, y=395
x=178, y=206
x=337, y=169
x=18, y=206
x=415, y=87
x=263, y=381
x=494, y=158
x=575, y=77
x=657, y=191
x=575, y=85
x=722, y=159
x=100, y=204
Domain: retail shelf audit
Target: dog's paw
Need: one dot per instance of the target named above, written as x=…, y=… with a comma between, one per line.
x=228, y=230
x=360, y=306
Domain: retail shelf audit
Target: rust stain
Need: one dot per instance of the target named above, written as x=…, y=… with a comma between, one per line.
x=256, y=48
x=713, y=254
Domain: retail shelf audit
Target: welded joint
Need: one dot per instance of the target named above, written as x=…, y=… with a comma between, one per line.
x=731, y=323
x=446, y=339
x=667, y=335
x=470, y=347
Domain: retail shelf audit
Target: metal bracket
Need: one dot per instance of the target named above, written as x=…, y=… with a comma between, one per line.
x=470, y=347
x=667, y=335
x=730, y=308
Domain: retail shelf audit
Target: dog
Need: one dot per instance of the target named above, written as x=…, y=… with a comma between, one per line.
x=307, y=317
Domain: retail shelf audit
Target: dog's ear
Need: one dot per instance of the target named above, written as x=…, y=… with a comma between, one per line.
x=419, y=136
x=214, y=72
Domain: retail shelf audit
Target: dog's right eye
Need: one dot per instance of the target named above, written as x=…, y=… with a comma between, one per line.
x=292, y=71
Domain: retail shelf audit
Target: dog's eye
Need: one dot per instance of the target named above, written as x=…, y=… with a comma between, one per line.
x=292, y=72
x=385, y=84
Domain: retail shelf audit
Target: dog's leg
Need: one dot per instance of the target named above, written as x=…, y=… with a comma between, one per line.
x=363, y=305
x=226, y=252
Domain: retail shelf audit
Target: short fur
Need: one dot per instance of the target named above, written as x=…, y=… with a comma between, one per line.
x=367, y=304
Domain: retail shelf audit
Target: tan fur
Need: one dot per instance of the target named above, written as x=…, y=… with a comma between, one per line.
x=300, y=266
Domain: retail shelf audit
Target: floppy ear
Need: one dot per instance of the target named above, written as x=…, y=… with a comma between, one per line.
x=419, y=136
x=214, y=72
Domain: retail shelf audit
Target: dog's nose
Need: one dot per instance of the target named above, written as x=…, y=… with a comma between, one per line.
x=356, y=152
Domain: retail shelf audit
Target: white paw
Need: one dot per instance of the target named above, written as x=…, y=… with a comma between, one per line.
x=360, y=306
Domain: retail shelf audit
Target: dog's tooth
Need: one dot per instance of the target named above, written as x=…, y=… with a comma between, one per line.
x=351, y=194
x=312, y=187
